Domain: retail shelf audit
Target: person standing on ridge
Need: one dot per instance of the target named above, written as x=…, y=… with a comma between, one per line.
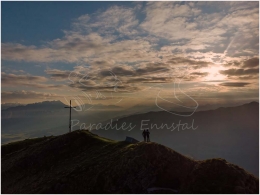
x=144, y=135
x=148, y=135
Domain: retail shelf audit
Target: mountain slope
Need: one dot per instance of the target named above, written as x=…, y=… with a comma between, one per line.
x=82, y=162
x=231, y=133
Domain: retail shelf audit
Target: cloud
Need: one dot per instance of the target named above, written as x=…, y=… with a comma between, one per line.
x=102, y=63
x=150, y=79
x=202, y=29
x=232, y=63
x=116, y=19
x=251, y=63
x=116, y=35
x=118, y=71
x=152, y=68
x=163, y=18
x=12, y=80
x=149, y=43
x=18, y=52
x=104, y=87
x=144, y=73
x=243, y=63
x=248, y=77
x=200, y=73
x=234, y=84
x=95, y=77
x=74, y=48
x=242, y=18
x=196, y=64
x=238, y=72
x=58, y=75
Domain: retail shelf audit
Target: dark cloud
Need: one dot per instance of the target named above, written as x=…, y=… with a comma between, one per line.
x=232, y=63
x=185, y=61
x=12, y=80
x=146, y=70
x=106, y=88
x=101, y=63
x=152, y=68
x=234, y=84
x=248, y=77
x=150, y=80
x=244, y=77
x=200, y=73
x=107, y=79
x=251, y=63
x=120, y=71
x=88, y=76
x=70, y=76
x=238, y=72
x=58, y=74
x=95, y=80
x=104, y=81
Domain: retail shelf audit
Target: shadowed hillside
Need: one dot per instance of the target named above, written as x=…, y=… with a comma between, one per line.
x=231, y=133
x=82, y=162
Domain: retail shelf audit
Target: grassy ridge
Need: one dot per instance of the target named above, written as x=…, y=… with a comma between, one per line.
x=82, y=162
x=20, y=145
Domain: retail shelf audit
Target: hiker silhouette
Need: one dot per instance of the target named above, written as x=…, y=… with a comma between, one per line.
x=144, y=135
x=147, y=135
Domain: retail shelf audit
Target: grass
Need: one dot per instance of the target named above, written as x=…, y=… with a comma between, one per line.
x=81, y=162
x=20, y=145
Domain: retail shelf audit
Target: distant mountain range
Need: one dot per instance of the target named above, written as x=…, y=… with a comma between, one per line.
x=81, y=163
x=231, y=133
x=49, y=118
x=9, y=105
x=30, y=110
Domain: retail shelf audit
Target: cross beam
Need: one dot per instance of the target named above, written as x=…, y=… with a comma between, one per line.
x=70, y=116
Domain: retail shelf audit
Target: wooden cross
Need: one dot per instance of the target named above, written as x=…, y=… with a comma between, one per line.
x=70, y=116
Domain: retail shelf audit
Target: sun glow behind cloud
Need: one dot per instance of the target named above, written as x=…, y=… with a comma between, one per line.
x=213, y=73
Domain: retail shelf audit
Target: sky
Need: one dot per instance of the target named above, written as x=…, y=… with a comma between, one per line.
x=167, y=54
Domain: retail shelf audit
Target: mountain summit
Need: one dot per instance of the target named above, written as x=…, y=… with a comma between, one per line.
x=82, y=162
